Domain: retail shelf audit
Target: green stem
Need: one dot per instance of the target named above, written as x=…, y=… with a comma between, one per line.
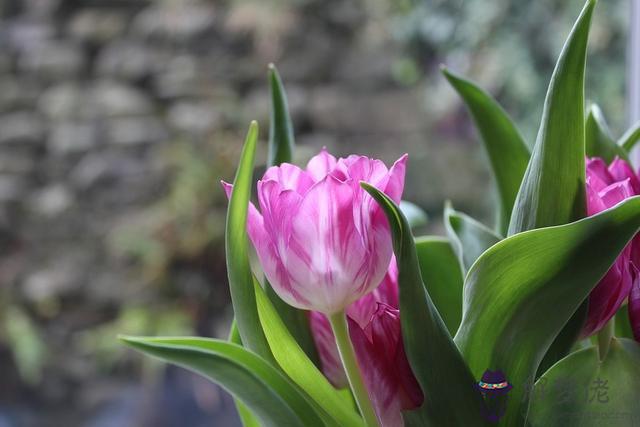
x=604, y=338
x=347, y=354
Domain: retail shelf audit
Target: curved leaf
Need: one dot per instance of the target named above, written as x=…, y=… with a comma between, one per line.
x=581, y=391
x=449, y=387
x=281, y=141
x=469, y=237
x=271, y=396
x=245, y=414
x=552, y=190
x=521, y=292
x=599, y=142
x=295, y=363
x=237, y=252
x=442, y=277
x=507, y=150
x=630, y=138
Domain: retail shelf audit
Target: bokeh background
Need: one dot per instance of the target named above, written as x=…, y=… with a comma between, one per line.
x=119, y=117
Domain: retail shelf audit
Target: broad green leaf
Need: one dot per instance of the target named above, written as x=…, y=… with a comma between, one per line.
x=297, y=323
x=630, y=137
x=272, y=397
x=552, y=190
x=581, y=391
x=442, y=276
x=553, y=187
x=295, y=363
x=449, y=388
x=237, y=252
x=414, y=213
x=507, y=150
x=468, y=237
x=599, y=142
x=523, y=290
x=281, y=140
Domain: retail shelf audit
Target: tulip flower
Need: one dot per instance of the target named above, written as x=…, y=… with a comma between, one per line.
x=323, y=242
x=606, y=187
x=374, y=327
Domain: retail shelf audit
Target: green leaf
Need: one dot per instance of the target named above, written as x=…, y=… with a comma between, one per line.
x=414, y=213
x=449, y=387
x=630, y=137
x=581, y=391
x=523, y=290
x=281, y=141
x=599, y=142
x=297, y=323
x=469, y=237
x=553, y=187
x=237, y=252
x=245, y=414
x=622, y=323
x=552, y=190
x=295, y=363
x=442, y=276
x=507, y=150
x=271, y=396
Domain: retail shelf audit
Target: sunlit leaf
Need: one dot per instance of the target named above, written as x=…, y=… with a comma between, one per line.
x=295, y=363
x=237, y=252
x=271, y=396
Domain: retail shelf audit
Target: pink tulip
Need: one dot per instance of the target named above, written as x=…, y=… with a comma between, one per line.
x=374, y=326
x=322, y=241
x=606, y=187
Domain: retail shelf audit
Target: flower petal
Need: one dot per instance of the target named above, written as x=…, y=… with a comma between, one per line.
x=608, y=295
x=290, y=177
x=597, y=169
x=395, y=185
x=325, y=255
x=320, y=165
x=621, y=170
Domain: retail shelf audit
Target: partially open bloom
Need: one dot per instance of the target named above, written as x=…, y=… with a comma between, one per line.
x=322, y=241
x=374, y=326
x=606, y=187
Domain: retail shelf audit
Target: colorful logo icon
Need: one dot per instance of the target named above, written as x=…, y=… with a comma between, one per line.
x=494, y=388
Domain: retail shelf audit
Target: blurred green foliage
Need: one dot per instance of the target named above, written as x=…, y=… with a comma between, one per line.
x=510, y=46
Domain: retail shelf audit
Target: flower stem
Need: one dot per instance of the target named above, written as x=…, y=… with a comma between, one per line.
x=604, y=338
x=347, y=354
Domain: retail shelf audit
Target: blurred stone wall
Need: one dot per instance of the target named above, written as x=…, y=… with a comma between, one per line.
x=98, y=98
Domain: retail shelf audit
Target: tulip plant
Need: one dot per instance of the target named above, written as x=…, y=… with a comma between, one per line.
x=351, y=320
